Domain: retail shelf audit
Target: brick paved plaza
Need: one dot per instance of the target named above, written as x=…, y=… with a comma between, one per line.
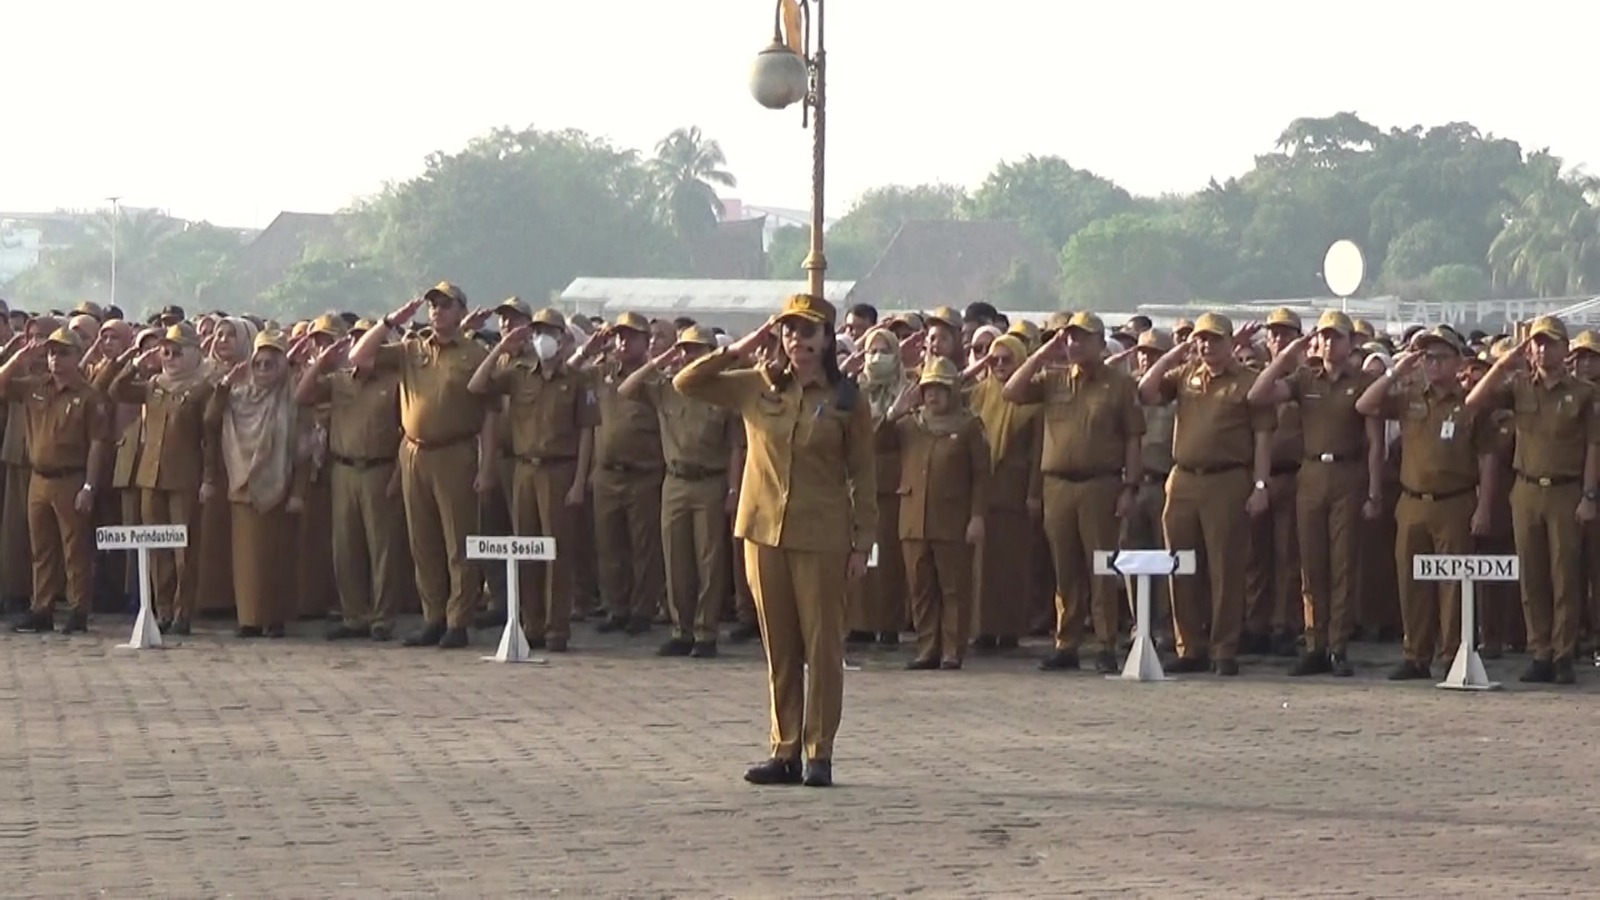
x=296, y=768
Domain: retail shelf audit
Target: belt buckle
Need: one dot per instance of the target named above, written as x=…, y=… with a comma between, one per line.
x=1544, y=482
x=1427, y=497
x=1326, y=457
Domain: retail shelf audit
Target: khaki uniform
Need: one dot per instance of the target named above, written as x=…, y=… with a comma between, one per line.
x=697, y=441
x=16, y=557
x=1442, y=442
x=1089, y=414
x=809, y=499
x=548, y=416
x=1556, y=421
x=216, y=522
x=1213, y=450
x=1004, y=562
x=943, y=484
x=368, y=521
x=627, y=503
x=64, y=424
x=878, y=604
x=167, y=475
x=316, y=584
x=1273, y=594
x=1331, y=489
x=1500, y=623
x=127, y=430
x=441, y=422
x=1142, y=530
x=111, y=568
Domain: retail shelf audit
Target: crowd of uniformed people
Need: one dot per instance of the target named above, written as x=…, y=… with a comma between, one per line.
x=823, y=482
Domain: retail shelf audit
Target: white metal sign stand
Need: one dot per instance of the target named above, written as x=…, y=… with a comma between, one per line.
x=1466, y=672
x=142, y=539
x=1144, y=663
x=514, y=551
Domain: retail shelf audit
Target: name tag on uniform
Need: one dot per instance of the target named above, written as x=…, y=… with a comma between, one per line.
x=1447, y=431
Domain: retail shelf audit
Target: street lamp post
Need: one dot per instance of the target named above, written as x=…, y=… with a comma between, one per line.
x=115, y=215
x=784, y=75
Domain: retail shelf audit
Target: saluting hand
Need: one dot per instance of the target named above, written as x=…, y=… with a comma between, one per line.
x=475, y=318
x=406, y=313
x=854, y=363
x=515, y=338
x=1406, y=363
x=1246, y=332
x=149, y=360
x=238, y=373
x=745, y=348
x=1297, y=347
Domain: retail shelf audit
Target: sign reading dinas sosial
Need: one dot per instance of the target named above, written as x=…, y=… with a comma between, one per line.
x=509, y=547
x=1464, y=567
x=136, y=537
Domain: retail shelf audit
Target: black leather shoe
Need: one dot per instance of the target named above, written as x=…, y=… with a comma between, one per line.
x=35, y=623
x=1226, y=667
x=1564, y=673
x=1190, y=665
x=611, y=623
x=453, y=639
x=343, y=632
x=924, y=664
x=1311, y=663
x=76, y=623
x=744, y=631
x=857, y=638
x=382, y=632
x=1411, y=671
x=1539, y=671
x=819, y=773
x=676, y=647
x=1105, y=663
x=774, y=771
x=248, y=631
x=179, y=627
x=1339, y=662
x=889, y=639
x=950, y=665
x=704, y=650
x=985, y=642
x=163, y=625
x=427, y=637
x=637, y=625
x=1060, y=661
x=275, y=631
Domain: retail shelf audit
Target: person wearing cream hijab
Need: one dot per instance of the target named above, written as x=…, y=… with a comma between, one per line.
x=1006, y=554
x=252, y=417
x=228, y=345
x=876, y=606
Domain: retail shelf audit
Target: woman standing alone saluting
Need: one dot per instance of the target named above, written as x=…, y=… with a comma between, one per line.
x=807, y=514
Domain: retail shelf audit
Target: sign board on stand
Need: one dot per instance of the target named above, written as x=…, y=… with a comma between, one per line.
x=513, y=550
x=1343, y=269
x=142, y=539
x=1144, y=663
x=1466, y=672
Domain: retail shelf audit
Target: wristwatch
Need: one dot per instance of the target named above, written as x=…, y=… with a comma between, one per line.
x=1591, y=494
x=1260, y=485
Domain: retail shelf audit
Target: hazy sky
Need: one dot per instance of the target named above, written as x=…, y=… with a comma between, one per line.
x=231, y=112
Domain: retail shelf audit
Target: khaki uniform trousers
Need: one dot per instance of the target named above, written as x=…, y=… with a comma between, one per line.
x=262, y=582
x=743, y=598
x=694, y=540
x=880, y=601
x=1549, y=545
x=441, y=509
x=368, y=544
x=1003, y=573
x=940, y=573
x=176, y=572
x=216, y=564
x=1080, y=520
x=494, y=517
x=1273, y=596
x=316, y=588
x=61, y=541
x=798, y=596
x=16, y=555
x=1328, y=501
x=1379, y=606
x=1205, y=513
x=627, y=536
x=539, y=509
x=1431, y=611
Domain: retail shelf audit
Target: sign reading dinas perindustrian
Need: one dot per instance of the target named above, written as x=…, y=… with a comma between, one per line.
x=147, y=537
x=1466, y=567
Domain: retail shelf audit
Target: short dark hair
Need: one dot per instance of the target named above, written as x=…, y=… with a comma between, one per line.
x=865, y=311
x=981, y=312
x=113, y=313
x=683, y=322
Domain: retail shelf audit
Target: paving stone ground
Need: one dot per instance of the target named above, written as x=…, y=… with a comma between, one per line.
x=296, y=768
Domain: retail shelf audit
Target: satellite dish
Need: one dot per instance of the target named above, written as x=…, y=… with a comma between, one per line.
x=1343, y=268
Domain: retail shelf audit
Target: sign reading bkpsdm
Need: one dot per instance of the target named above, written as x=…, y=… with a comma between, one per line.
x=1470, y=567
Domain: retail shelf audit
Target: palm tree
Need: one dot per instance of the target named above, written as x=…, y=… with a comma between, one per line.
x=688, y=168
x=1550, y=243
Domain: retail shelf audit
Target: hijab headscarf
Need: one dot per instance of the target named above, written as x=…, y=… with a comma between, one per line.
x=244, y=336
x=882, y=389
x=259, y=441
x=195, y=371
x=1002, y=419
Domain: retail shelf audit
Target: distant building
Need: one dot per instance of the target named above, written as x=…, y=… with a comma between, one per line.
x=737, y=305
x=773, y=217
x=20, y=246
x=270, y=254
x=951, y=263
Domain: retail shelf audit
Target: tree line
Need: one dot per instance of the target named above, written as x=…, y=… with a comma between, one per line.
x=1443, y=212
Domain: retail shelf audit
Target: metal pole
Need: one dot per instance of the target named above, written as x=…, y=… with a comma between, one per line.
x=816, y=263
x=115, y=215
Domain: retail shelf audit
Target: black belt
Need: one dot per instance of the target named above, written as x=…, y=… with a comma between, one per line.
x=1332, y=458
x=362, y=465
x=1154, y=477
x=1436, y=496
x=1548, y=480
x=440, y=445
x=628, y=468
x=537, y=461
x=1082, y=477
x=58, y=473
x=1288, y=468
x=688, y=472
x=1210, y=470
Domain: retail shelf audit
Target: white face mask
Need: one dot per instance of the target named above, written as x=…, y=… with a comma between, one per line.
x=545, y=346
x=881, y=363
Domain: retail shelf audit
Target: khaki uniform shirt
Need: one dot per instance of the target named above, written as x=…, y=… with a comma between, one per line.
x=1440, y=438
x=435, y=407
x=944, y=479
x=1555, y=421
x=810, y=474
x=364, y=416
x=629, y=435
x=1214, y=423
x=1330, y=424
x=63, y=423
x=171, y=453
x=547, y=415
x=1089, y=415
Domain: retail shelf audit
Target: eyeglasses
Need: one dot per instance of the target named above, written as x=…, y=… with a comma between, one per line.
x=1438, y=359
